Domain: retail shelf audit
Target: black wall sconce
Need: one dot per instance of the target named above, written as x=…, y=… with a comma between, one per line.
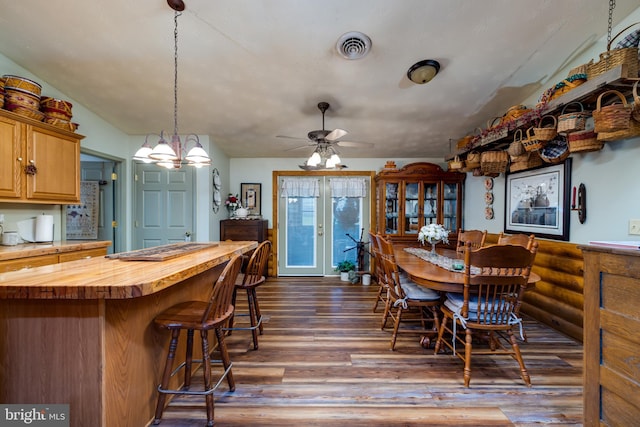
x=581, y=207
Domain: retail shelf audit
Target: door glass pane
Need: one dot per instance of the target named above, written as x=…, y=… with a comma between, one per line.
x=346, y=229
x=300, y=231
x=430, y=203
x=411, y=206
x=391, y=200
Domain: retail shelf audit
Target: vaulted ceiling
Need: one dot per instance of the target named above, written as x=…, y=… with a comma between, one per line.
x=252, y=71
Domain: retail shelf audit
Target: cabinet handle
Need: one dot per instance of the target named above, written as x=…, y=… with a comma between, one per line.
x=19, y=159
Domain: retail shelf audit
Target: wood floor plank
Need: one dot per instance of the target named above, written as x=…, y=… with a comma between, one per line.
x=323, y=360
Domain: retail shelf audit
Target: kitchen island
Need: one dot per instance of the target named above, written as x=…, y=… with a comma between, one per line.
x=81, y=332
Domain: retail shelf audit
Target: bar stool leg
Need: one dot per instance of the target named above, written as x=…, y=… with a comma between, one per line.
x=206, y=370
x=188, y=360
x=224, y=356
x=166, y=375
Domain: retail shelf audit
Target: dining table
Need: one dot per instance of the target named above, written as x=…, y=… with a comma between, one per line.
x=413, y=261
x=435, y=271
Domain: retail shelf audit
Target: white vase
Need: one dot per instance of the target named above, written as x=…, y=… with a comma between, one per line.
x=344, y=276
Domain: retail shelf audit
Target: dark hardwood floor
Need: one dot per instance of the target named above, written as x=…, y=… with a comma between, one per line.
x=323, y=360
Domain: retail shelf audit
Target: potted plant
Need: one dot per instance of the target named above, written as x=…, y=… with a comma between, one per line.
x=344, y=267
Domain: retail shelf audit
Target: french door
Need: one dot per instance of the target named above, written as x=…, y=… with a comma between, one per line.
x=318, y=230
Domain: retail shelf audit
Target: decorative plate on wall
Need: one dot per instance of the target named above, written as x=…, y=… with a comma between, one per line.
x=217, y=197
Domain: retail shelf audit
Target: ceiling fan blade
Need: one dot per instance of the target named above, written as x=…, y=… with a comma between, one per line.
x=291, y=137
x=335, y=134
x=300, y=147
x=355, y=144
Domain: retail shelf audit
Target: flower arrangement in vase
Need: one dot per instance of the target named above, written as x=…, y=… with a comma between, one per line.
x=433, y=233
x=232, y=203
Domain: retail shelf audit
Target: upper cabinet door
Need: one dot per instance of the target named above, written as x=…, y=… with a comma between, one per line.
x=56, y=158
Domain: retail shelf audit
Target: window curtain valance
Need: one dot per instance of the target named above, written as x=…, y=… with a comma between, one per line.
x=300, y=187
x=348, y=187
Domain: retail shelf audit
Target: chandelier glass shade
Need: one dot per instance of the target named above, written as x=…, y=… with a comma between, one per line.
x=174, y=154
x=325, y=156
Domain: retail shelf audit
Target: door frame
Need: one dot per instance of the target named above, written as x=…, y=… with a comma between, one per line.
x=274, y=200
x=119, y=195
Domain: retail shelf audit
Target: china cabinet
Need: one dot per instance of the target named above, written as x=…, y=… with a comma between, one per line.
x=415, y=195
x=39, y=163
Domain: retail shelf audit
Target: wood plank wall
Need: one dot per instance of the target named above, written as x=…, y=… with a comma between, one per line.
x=557, y=300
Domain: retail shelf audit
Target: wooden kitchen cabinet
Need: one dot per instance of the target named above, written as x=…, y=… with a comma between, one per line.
x=611, y=339
x=415, y=195
x=54, y=152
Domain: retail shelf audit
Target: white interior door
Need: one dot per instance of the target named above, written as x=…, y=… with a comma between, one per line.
x=164, y=205
x=316, y=233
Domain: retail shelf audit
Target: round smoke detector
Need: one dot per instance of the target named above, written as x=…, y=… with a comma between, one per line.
x=353, y=45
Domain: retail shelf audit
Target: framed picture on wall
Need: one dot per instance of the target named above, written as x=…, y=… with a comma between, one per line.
x=251, y=197
x=537, y=201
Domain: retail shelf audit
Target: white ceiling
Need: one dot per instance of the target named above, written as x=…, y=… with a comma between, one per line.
x=250, y=70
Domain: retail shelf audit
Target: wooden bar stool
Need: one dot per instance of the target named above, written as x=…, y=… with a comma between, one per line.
x=249, y=281
x=201, y=316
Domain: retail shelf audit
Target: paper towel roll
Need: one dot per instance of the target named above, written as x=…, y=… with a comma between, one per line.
x=44, y=228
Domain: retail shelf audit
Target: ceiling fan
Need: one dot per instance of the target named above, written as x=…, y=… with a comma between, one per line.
x=325, y=155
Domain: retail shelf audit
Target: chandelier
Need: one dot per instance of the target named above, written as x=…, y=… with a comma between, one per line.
x=169, y=154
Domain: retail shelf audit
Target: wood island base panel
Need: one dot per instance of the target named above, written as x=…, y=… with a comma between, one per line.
x=81, y=332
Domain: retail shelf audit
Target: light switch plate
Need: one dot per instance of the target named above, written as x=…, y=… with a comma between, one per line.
x=634, y=227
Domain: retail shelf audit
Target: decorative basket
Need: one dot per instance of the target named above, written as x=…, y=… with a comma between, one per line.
x=23, y=85
x=635, y=112
x=473, y=160
x=456, y=163
x=513, y=113
x=632, y=131
x=25, y=112
x=494, y=162
x=556, y=150
x=613, y=117
x=568, y=85
x=532, y=143
x=22, y=99
x=573, y=121
x=612, y=58
x=62, y=124
x=56, y=108
x=546, y=132
x=526, y=161
x=584, y=141
x=516, y=148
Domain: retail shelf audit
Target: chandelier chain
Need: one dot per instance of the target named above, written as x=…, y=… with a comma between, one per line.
x=612, y=5
x=175, y=73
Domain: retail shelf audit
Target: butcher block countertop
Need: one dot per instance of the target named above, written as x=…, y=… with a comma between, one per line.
x=113, y=278
x=37, y=249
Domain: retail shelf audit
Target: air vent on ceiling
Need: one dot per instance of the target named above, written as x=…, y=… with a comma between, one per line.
x=353, y=45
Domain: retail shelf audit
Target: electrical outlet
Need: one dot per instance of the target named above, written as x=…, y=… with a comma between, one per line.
x=634, y=227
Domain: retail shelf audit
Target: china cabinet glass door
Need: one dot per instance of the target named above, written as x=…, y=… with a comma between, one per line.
x=391, y=197
x=450, y=207
x=411, y=208
x=430, y=208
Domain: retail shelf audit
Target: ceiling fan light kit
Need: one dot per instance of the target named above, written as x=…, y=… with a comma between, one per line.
x=423, y=71
x=170, y=154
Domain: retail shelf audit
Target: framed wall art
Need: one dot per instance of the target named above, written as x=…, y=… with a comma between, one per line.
x=251, y=197
x=537, y=201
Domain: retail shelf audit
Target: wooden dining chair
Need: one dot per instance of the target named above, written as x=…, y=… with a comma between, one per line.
x=381, y=294
x=249, y=281
x=406, y=297
x=202, y=316
x=495, y=278
x=516, y=239
x=475, y=237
